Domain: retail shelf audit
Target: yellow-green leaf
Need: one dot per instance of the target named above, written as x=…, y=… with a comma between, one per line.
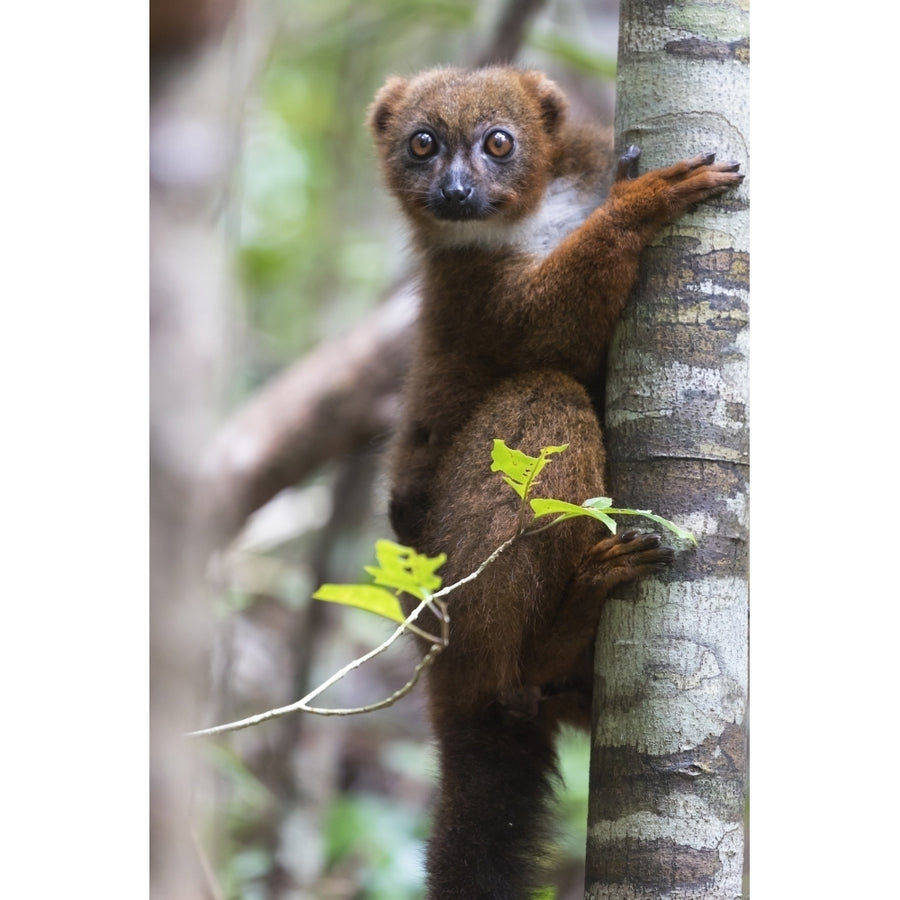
x=547, y=507
x=364, y=596
x=520, y=470
x=403, y=569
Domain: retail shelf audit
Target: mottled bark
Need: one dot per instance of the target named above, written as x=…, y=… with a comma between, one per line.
x=669, y=746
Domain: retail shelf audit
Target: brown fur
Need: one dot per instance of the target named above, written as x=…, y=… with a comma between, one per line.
x=512, y=342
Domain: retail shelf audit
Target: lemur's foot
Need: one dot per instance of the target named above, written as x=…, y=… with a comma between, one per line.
x=624, y=557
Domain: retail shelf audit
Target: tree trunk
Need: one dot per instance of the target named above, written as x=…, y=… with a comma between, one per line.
x=190, y=142
x=669, y=746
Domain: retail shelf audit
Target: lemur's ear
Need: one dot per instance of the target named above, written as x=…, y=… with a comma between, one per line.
x=385, y=102
x=551, y=99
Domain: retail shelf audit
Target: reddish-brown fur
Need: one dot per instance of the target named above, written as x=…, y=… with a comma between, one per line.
x=512, y=343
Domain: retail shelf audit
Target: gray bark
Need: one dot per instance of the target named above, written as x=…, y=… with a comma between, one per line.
x=669, y=745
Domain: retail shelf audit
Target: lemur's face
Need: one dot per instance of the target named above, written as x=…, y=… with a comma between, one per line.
x=460, y=173
x=467, y=146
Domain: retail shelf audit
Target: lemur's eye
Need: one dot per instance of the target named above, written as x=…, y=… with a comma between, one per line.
x=423, y=145
x=498, y=143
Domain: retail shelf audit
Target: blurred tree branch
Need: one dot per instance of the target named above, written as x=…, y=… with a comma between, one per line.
x=342, y=395
x=510, y=31
x=178, y=27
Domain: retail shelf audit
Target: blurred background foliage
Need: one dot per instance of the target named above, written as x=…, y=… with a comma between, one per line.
x=312, y=807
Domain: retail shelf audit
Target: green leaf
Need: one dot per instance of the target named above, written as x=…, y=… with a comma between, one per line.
x=680, y=532
x=403, y=569
x=364, y=596
x=520, y=470
x=545, y=507
x=601, y=508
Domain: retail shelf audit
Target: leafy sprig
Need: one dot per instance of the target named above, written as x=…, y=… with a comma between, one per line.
x=520, y=472
x=402, y=569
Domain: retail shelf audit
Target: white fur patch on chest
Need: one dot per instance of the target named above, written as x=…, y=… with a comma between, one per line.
x=562, y=210
x=564, y=207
